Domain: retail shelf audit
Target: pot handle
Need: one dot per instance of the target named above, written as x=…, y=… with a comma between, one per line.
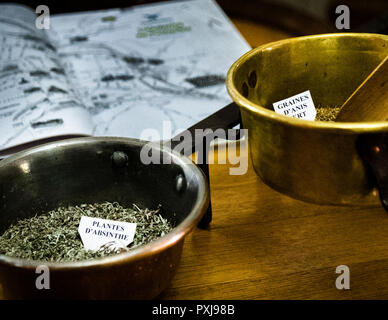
x=373, y=149
x=225, y=118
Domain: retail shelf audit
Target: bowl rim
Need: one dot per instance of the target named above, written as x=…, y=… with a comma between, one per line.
x=270, y=115
x=155, y=247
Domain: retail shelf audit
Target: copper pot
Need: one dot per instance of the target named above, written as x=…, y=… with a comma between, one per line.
x=79, y=171
x=309, y=160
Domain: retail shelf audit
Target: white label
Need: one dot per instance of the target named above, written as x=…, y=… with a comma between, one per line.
x=96, y=232
x=300, y=106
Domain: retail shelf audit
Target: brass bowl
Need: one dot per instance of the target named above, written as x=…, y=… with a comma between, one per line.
x=79, y=171
x=310, y=160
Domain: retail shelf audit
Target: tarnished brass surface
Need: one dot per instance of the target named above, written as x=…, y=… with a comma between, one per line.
x=82, y=171
x=310, y=160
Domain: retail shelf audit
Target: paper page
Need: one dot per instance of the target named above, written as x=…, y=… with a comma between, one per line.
x=36, y=100
x=137, y=68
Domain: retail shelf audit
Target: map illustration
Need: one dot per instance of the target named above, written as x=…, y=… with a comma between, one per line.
x=114, y=72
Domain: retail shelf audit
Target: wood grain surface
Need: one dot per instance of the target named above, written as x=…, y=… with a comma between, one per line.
x=257, y=34
x=370, y=100
x=265, y=245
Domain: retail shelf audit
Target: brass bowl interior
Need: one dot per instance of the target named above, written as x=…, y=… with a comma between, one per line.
x=331, y=67
x=316, y=161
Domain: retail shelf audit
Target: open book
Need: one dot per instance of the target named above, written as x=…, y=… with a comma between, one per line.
x=113, y=72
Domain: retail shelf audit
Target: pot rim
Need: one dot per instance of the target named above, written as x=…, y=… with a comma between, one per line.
x=163, y=243
x=270, y=115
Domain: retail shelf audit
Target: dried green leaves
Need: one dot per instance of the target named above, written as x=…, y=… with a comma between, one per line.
x=54, y=236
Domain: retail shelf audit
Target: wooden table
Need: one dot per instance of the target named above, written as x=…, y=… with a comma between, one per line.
x=265, y=245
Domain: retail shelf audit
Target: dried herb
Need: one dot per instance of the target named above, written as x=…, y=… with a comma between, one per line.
x=54, y=236
x=327, y=113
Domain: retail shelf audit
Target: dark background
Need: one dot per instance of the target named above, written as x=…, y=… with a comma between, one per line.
x=299, y=17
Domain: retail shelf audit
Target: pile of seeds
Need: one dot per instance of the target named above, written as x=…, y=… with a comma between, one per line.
x=54, y=236
x=327, y=113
